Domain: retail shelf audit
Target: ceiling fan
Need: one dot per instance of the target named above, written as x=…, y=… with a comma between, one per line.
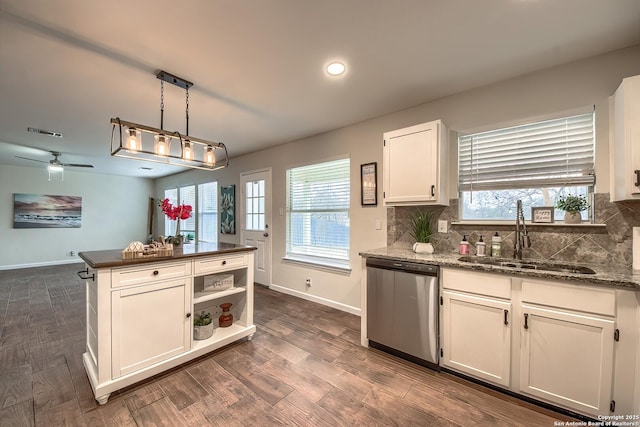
x=55, y=164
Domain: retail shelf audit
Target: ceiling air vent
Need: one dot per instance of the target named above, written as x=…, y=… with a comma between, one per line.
x=45, y=132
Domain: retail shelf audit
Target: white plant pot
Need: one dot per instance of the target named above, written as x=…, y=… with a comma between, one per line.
x=423, y=248
x=572, y=217
x=203, y=332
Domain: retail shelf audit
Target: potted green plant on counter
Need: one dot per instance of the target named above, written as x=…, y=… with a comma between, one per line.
x=572, y=206
x=420, y=228
x=202, y=326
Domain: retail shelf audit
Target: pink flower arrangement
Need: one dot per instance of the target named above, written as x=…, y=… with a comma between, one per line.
x=175, y=212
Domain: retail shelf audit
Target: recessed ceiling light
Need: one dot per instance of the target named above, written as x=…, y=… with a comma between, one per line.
x=335, y=68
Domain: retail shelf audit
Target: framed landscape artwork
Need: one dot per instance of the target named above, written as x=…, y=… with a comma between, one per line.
x=45, y=211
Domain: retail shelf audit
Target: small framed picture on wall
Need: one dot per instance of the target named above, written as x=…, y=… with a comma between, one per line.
x=369, y=184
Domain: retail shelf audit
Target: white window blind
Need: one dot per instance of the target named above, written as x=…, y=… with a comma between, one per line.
x=170, y=226
x=208, y=212
x=318, y=199
x=188, y=197
x=543, y=154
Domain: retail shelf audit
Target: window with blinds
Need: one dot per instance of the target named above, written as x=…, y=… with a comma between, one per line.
x=207, y=212
x=535, y=162
x=203, y=225
x=318, y=200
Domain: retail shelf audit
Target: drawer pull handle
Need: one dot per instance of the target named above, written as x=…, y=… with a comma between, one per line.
x=188, y=314
x=84, y=275
x=156, y=272
x=224, y=262
x=506, y=317
x=526, y=321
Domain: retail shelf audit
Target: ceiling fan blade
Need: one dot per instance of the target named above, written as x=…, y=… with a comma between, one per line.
x=33, y=160
x=74, y=165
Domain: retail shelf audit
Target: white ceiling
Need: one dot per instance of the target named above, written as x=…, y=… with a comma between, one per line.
x=257, y=65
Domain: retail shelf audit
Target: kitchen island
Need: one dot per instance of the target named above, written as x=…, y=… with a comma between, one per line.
x=140, y=311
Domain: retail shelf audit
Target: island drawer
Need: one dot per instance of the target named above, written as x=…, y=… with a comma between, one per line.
x=219, y=263
x=149, y=273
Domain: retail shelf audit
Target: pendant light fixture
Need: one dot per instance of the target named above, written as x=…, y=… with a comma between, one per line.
x=141, y=142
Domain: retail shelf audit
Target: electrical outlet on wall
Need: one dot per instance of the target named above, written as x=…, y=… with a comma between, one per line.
x=442, y=226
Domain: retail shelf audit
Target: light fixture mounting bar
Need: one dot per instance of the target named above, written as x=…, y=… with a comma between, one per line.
x=174, y=80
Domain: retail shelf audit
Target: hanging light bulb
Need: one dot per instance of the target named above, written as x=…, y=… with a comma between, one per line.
x=134, y=142
x=187, y=150
x=209, y=157
x=162, y=145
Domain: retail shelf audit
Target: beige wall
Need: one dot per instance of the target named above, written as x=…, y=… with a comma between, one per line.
x=111, y=216
x=540, y=94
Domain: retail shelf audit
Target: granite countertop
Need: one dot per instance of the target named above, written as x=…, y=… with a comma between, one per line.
x=606, y=275
x=113, y=257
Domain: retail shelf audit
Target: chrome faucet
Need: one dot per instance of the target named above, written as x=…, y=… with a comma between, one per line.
x=522, y=237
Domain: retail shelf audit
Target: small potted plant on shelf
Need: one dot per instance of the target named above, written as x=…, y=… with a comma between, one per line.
x=202, y=326
x=572, y=206
x=420, y=228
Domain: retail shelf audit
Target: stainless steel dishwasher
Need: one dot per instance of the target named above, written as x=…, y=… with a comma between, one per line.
x=402, y=309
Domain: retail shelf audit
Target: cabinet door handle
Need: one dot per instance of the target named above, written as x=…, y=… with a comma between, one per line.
x=156, y=272
x=188, y=314
x=637, y=172
x=224, y=262
x=526, y=321
x=506, y=317
x=433, y=191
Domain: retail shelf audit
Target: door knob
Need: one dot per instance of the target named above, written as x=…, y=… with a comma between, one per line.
x=266, y=234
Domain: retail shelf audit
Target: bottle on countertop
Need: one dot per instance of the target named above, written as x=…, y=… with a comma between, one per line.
x=464, y=246
x=496, y=245
x=481, y=247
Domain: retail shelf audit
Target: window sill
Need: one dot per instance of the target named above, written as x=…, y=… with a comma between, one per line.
x=325, y=266
x=528, y=223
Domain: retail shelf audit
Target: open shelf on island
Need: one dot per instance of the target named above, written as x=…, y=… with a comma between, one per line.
x=199, y=297
x=224, y=335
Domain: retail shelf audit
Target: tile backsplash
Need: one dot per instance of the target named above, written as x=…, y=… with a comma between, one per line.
x=610, y=242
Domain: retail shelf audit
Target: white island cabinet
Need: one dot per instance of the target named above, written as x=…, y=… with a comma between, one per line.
x=140, y=312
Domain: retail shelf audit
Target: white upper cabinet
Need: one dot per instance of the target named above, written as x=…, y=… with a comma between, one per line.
x=624, y=140
x=415, y=165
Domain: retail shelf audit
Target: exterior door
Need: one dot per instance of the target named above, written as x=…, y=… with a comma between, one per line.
x=256, y=219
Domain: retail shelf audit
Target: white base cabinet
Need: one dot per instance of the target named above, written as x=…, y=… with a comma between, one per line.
x=140, y=317
x=553, y=341
x=567, y=358
x=483, y=350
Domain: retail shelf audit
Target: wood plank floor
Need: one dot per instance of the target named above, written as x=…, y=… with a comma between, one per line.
x=304, y=367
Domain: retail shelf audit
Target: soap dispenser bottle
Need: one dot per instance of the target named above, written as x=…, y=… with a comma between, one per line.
x=464, y=246
x=496, y=245
x=481, y=247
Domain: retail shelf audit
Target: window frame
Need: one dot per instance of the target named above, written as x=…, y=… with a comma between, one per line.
x=320, y=259
x=568, y=138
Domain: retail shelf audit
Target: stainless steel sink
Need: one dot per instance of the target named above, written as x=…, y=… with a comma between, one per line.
x=530, y=265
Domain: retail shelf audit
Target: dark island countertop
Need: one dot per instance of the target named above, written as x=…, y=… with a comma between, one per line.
x=113, y=257
x=606, y=275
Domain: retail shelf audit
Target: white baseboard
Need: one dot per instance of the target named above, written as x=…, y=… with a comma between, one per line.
x=40, y=264
x=317, y=299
